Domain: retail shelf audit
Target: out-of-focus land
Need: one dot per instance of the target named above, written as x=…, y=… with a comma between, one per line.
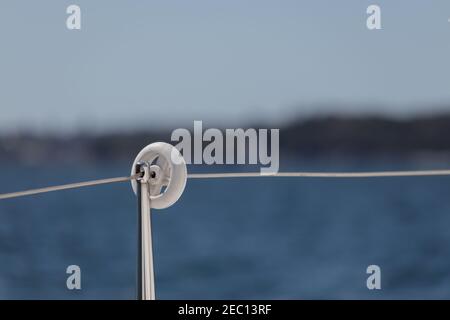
x=321, y=136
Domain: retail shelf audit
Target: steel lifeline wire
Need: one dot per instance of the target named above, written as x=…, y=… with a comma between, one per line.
x=300, y=174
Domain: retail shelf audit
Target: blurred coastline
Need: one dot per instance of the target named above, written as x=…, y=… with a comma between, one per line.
x=324, y=136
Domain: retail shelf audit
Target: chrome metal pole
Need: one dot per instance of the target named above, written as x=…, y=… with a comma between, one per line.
x=146, y=276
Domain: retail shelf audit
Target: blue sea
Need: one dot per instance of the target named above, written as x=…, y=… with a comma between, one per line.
x=253, y=238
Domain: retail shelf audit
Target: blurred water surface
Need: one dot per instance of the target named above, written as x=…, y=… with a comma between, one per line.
x=239, y=238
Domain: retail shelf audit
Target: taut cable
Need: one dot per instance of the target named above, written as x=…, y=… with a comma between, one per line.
x=374, y=174
x=67, y=187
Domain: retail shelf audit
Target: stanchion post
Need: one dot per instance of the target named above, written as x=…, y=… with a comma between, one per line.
x=145, y=270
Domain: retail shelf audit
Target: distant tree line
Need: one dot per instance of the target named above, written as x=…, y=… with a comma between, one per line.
x=322, y=136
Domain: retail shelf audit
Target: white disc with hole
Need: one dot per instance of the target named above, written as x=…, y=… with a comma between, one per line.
x=169, y=170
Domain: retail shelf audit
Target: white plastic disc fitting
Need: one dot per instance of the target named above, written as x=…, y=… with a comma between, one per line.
x=168, y=169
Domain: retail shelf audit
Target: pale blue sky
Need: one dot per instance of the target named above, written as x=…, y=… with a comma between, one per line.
x=168, y=62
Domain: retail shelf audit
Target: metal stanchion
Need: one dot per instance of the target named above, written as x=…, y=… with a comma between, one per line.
x=145, y=272
x=161, y=177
